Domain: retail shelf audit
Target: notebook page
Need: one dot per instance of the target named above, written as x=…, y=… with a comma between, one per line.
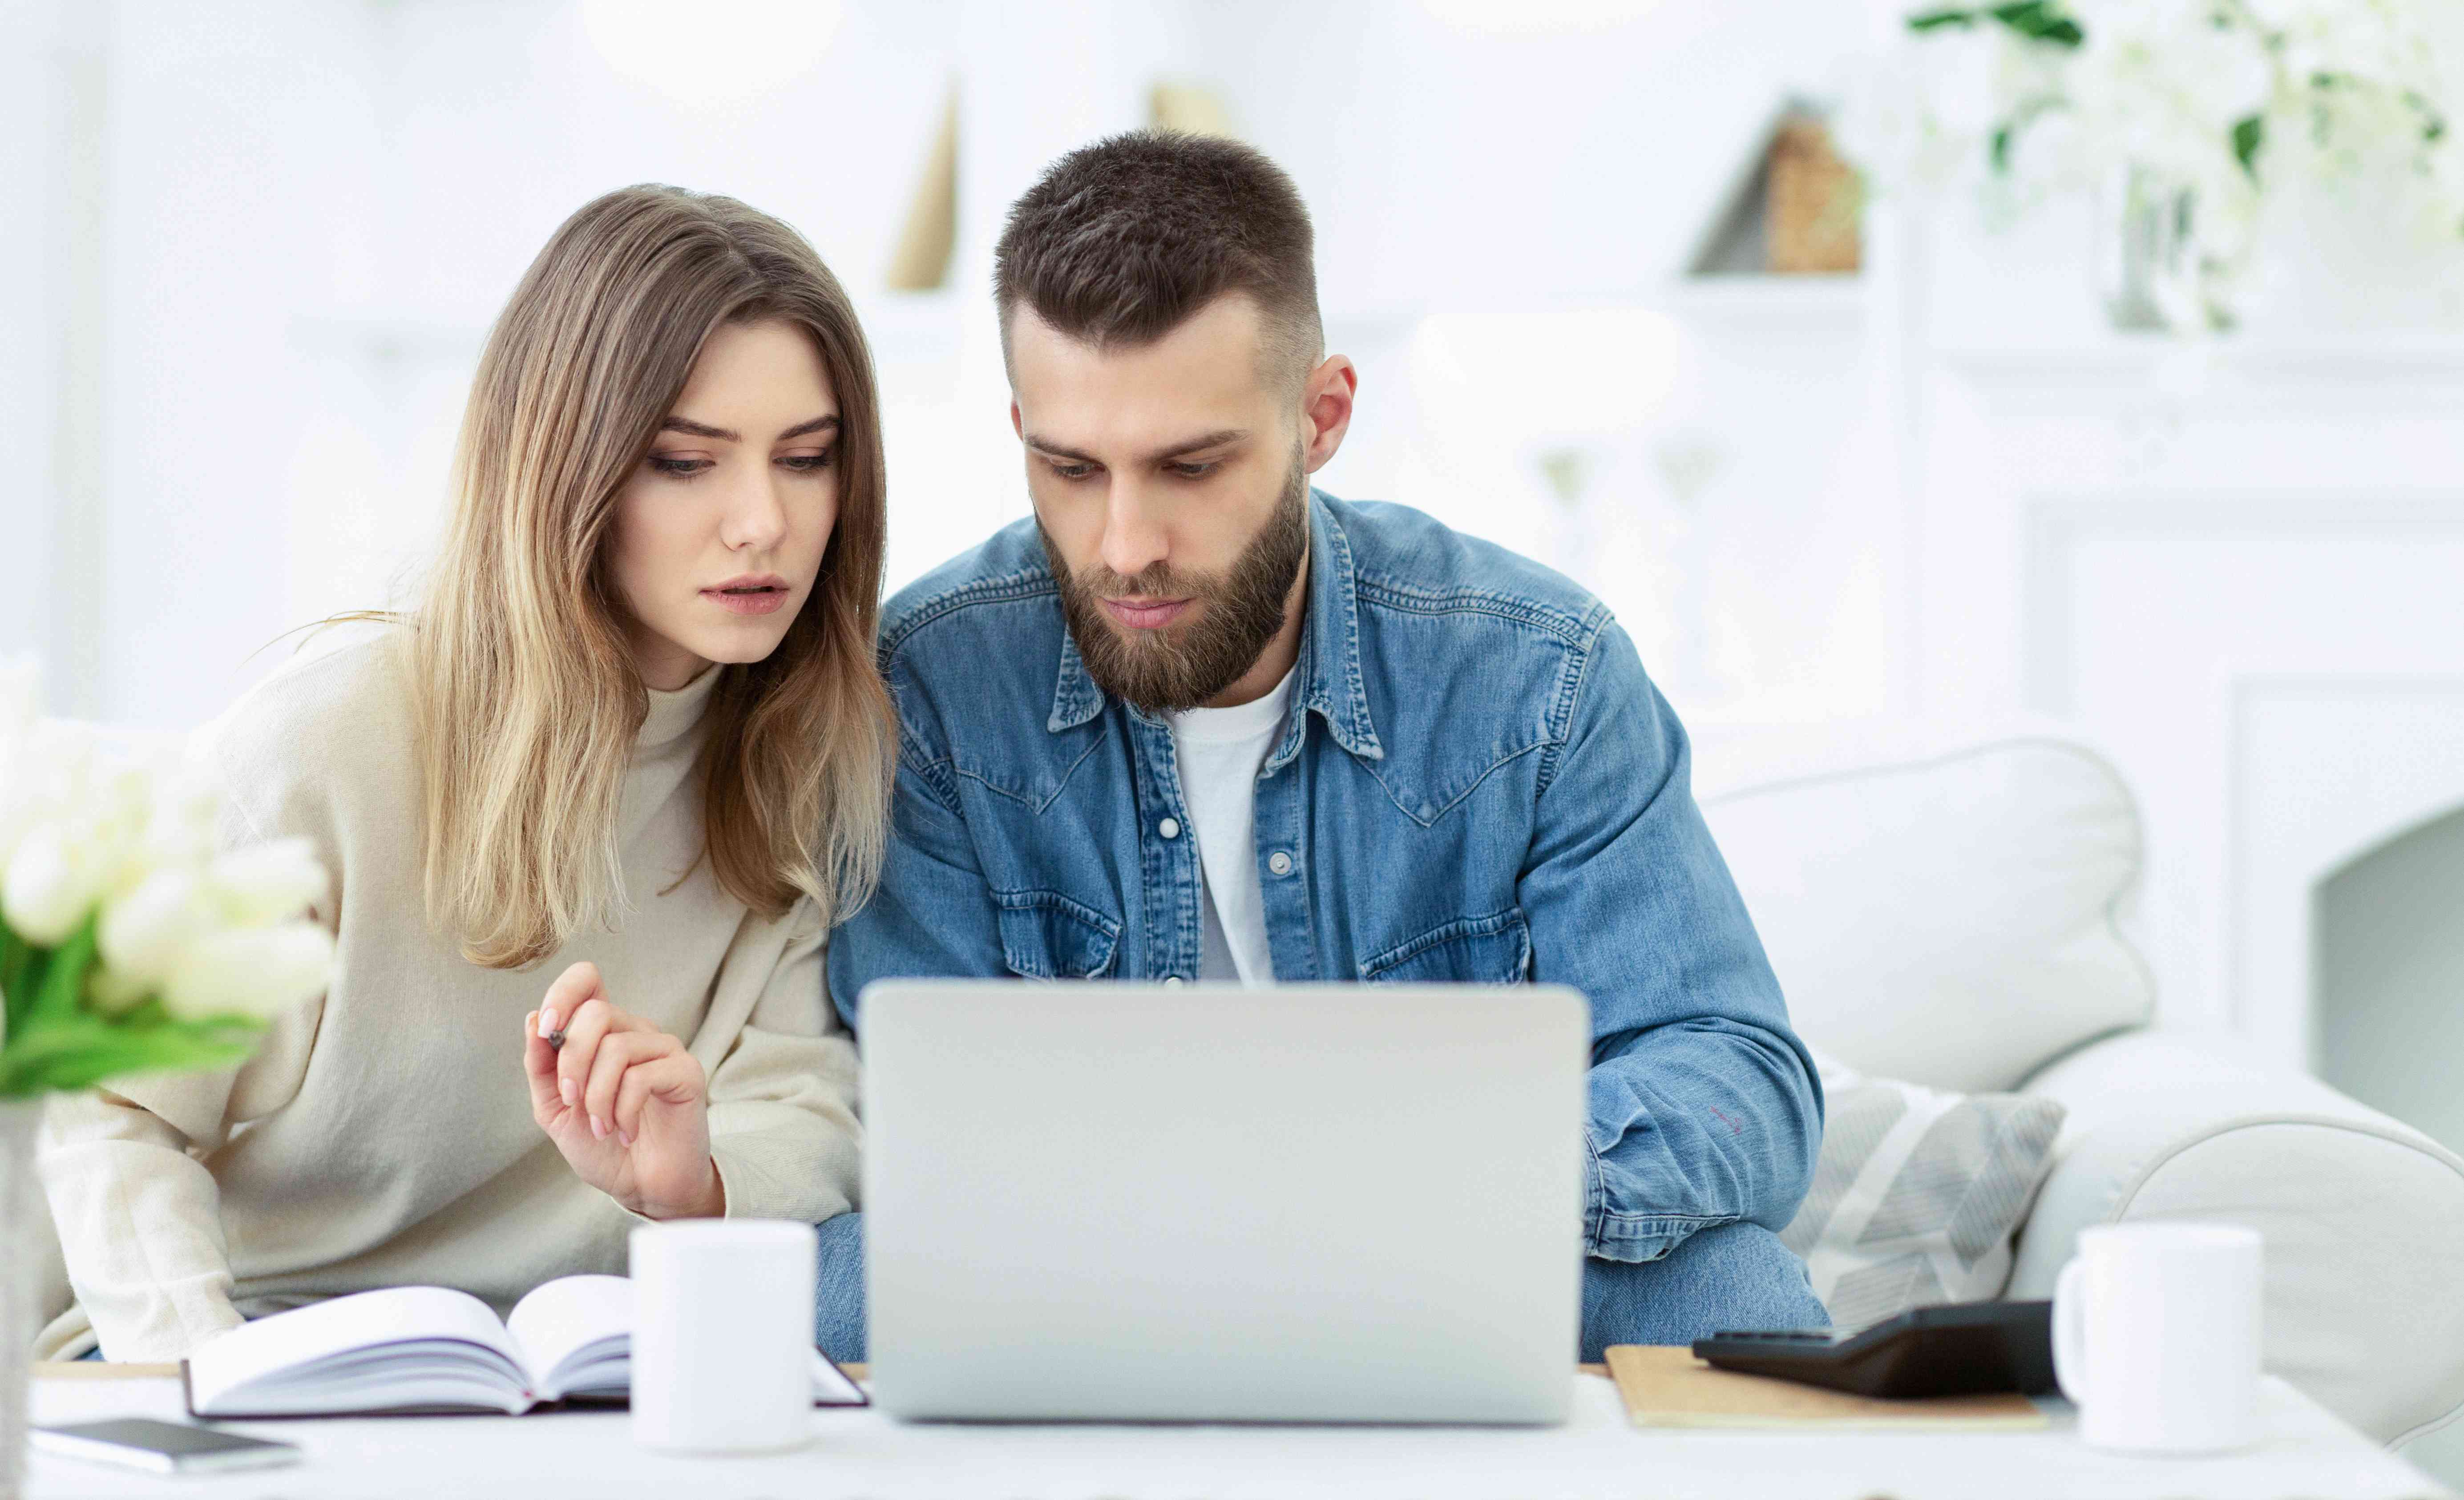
x=264, y=1350
x=576, y=1333
x=831, y=1386
x=560, y=1318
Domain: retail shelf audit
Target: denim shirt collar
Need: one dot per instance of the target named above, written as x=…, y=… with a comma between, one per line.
x=1329, y=669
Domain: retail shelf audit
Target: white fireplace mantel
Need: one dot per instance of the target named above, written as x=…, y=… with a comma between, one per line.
x=2240, y=568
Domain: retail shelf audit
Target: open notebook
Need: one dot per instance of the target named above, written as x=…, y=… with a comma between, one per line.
x=417, y=1350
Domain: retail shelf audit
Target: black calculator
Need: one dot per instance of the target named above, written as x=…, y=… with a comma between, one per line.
x=1960, y=1349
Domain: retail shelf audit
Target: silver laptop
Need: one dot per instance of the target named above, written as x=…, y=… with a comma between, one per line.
x=1208, y=1203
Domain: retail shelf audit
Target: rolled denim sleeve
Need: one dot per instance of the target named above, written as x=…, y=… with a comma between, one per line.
x=1704, y=1105
x=933, y=915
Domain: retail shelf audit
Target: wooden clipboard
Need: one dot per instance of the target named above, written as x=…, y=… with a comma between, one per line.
x=1668, y=1387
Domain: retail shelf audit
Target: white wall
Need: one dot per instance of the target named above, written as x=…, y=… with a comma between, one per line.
x=1942, y=490
x=42, y=66
x=235, y=195
x=311, y=210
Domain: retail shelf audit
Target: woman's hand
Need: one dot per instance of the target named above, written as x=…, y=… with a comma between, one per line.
x=623, y=1100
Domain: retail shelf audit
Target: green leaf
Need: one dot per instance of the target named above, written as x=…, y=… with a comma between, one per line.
x=2005, y=140
x=2249, y=135
x=2041, y=21
x=20, y=971
x=2037, y=20
x=86, y=1049
x=1938, y=20
x=63, y=981
x=147, y=1012
x=117, y=1058
x=2433, y=124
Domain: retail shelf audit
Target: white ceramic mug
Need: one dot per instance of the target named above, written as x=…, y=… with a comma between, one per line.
x=2156, y=1330
x=723, y=1334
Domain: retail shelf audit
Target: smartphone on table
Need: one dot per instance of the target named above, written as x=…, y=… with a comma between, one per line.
x=162, y=1447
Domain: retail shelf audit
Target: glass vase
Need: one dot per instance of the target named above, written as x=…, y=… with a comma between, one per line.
x=2146, y=261
x=20, y=1253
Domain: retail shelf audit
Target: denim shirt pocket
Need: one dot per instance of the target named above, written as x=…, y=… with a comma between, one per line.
x=1495, y=948
x=1047, y=935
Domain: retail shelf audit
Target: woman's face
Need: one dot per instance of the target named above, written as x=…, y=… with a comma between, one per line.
x=719, y=535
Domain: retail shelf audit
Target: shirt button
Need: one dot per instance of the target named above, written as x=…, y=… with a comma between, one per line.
x=1171, y=982
x=1168, y=827
x=1280, y=863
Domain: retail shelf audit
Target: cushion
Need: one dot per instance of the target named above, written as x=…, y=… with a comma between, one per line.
x=1957, y=921
x=1917, y=1193
x=2363, y=1216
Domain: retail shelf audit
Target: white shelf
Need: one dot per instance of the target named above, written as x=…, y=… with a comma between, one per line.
x=2384, y=374
x=1800, y=304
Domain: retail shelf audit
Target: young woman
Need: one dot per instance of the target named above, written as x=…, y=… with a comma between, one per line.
x=588, y=813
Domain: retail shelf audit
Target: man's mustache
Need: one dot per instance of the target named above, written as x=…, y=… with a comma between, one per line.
x=1153, y=584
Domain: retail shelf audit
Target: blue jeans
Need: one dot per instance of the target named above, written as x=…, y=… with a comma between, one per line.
x=1735, y=1276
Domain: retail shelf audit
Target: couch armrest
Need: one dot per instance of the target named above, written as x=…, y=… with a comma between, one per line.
x=2364, y=1216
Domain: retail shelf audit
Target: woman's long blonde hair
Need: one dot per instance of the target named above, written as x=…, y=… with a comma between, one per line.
x=526, y=696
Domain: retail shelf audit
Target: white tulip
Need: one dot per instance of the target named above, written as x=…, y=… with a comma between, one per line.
x=53, y=880
x=187, y=809
x=43, y=774
x=131, y=827
x=145, y=931
x=20, y=811
x=255, y=971
x=114, y=992
x=266, y=882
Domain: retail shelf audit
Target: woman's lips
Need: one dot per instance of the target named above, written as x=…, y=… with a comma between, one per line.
x=1146, y=616
x=756, y=600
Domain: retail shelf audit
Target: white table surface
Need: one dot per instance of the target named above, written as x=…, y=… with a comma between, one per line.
x=862, y=1453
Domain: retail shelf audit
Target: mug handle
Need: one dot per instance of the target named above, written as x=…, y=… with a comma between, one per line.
x=2070, y=1332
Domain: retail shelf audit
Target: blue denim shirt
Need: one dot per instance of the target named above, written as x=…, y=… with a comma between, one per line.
x=1476, y=784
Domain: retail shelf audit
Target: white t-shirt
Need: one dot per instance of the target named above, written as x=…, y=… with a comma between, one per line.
x=1220, y=751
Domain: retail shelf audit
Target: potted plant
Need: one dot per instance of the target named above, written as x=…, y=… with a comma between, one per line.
x=2186, y=120
x=129, y=942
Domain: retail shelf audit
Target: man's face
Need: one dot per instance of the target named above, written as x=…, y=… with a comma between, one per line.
x=1171, y=486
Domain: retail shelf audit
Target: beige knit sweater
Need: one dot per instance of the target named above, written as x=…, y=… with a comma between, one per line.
x=383, y=1137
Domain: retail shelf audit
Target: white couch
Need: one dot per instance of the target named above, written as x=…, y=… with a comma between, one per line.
x=1962, y=919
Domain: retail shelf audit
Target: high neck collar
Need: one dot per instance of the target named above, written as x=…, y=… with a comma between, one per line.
x=674, y=715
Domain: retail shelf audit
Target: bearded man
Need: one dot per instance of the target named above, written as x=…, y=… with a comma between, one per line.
x=1197, y=721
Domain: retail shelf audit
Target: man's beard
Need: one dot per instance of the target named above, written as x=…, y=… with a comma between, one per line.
x=1238, y=611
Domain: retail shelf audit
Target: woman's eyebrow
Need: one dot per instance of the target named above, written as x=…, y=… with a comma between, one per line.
x=693, y=429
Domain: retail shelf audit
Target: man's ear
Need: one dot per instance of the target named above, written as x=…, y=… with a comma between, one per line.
x=1015, y=424
x=1326, y=409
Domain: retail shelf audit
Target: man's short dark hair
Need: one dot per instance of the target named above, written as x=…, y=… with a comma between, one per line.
x=1122, y=241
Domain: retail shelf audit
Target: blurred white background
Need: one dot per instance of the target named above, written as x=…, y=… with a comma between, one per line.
x=251, y=248
x=256, y=244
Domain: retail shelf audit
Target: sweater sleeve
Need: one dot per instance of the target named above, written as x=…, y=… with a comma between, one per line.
x=138, y=1210
x=140, y=1218
x=783, y=1129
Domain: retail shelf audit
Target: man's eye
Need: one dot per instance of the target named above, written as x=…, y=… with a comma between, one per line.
x=679, y=468
x=1072, y=470
x=1197, y=471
